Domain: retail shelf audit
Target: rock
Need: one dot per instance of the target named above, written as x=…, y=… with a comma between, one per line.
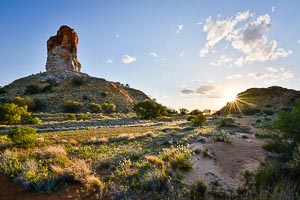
x=201, y=140
x=197, y=151
x=62, y=51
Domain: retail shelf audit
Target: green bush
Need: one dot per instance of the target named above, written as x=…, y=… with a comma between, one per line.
x=71, y=116
x=221, y=136
x=226, y=122
x=2, y=90
x=35, y=120
x=195, y=112
x=108, y=107
x=32, y=89
x=82, y=116
x=149, y=109
x=12, y=114
x=23, y=136
x=198, y=119
x=268, y=111
x=37, y=105
x=95, y=108
x=73, y=106
x=20, y=101
x=183, y=111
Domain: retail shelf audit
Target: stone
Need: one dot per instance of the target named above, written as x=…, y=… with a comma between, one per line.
x=62, y=51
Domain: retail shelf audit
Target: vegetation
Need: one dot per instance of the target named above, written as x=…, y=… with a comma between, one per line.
x=226, y=122
x=32, y=89
x=73, y=106
x=108, y=107
x=12, y=114
x=34, y=120
x=183, y=111
x=78, y=81
x=149, y=109
x=23, y=136
x=198, y=119
x=95, y=108
x=221, y=136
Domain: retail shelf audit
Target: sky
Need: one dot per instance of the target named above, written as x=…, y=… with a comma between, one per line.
x=194, y=54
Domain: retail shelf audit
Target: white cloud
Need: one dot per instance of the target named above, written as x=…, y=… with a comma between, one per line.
x=154, y=54
x=128, y=59
x=117, y=35
x=223, y=60
x=234, y=76
x=250, y=39
x=220, y=28
x=179, y=28
x=271, y=69
x=199, y=23
x=187, y=91
x=273, y=8
x=205, y=89
x=259, y=75
x=298, y=41
x=181, y=54
x=109, y=61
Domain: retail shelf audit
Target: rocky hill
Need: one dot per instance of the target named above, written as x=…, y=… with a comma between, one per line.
x=253, y=100
x=55, y=88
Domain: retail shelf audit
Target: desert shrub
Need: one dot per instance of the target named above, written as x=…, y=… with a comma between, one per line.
x=2, y=90
x=178, y=157
x=183, y=111
x=95, y=108
x=155, y=160
x=82, y=116
x=71, y=116
x=250, y=110
x=20, y=101
x=78, y=81
x=108, y=107
x=205, y=152
x=171, y=111
x=149, y=109
x=195, y=112
x=104, y=94
x=34, y=120
x=226, y=122
x=288, y=123
x=12, y=114
x=23, y=136
x=73, y=106
x=222, y=136
x=198, y=190
x=38, y=105
x=198, y=119
x=32, y=89
x=268, y=111
x=94, y=183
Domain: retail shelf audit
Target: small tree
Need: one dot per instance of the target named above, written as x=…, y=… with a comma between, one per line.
x=12, y=114
x=183, y=111
x=198, y=119
x=95, y=108
x=108, y=107
x=73, y=106
x=149, y=109
x=32, y=89
x=195, y=112
x=23, y=136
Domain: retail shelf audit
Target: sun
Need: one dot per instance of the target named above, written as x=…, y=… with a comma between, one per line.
x=230, y=96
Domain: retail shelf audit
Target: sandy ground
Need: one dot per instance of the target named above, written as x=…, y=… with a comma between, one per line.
x=231, y=159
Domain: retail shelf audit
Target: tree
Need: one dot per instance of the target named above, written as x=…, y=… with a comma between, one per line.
x=195, y=112
x=11, y=113
x=183, y=111
x=289, y=123
x=108, y=107
x=198, y=119
x=73, y=106
x=32, y=89
x=149, y=109
x=95, y=108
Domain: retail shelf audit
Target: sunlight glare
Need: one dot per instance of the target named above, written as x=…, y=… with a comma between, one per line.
x=230, y=96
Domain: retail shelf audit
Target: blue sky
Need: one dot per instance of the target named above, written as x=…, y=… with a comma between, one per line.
x=192, y=54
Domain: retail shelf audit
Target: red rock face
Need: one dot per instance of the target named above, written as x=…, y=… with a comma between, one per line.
x=62, y=51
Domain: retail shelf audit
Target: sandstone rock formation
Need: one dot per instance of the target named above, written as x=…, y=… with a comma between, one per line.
x=62, y=51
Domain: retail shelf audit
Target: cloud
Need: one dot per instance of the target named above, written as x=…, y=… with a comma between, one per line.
x=117, y=35
x=187, y=91
x=223, y=60
x=109, y=61
x=205, y=88
x=128, y=59
x=258, y=75
x=199, y=23
x=154, y=54
x=181, y=54
x=250, y=38
x=214, y=97
x=273, y=8
x=298, y=41
x=234, y=76
x=179, y=28
x=271, y=69
x=218, y=29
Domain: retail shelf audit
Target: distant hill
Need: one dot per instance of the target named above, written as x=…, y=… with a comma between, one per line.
x=55, y=88
x=268, y=100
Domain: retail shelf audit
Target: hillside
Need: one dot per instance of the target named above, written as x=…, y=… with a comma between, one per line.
x=55, y=88
x=253, y=100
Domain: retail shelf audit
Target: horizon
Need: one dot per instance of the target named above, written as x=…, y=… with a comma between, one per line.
x=195, y=56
